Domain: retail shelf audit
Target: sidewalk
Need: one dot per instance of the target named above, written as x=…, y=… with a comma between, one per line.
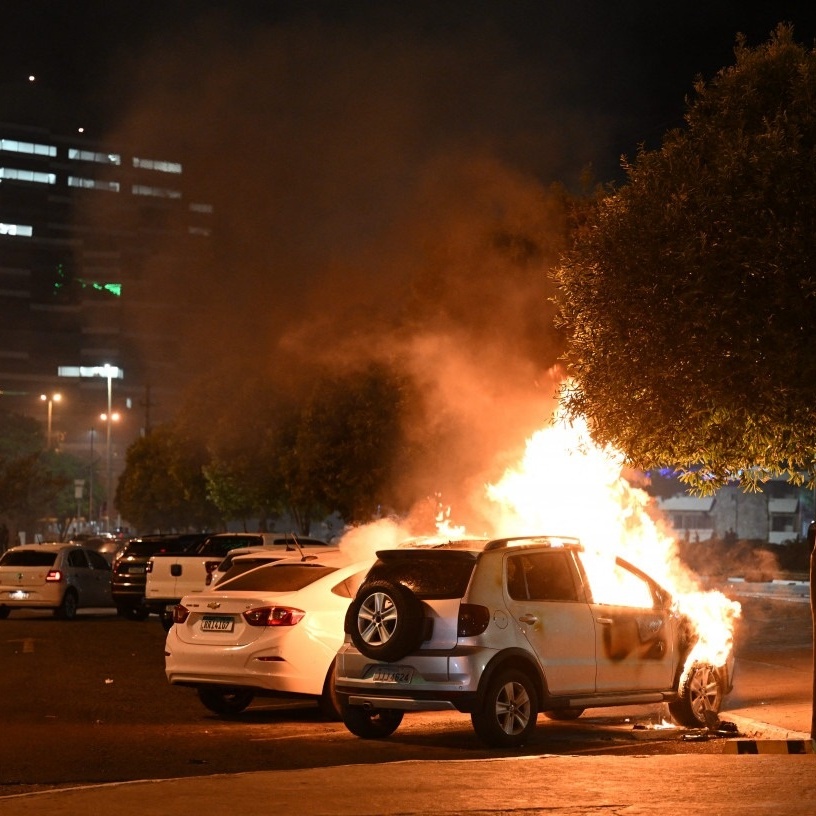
x=761, y=773
x=736, y=785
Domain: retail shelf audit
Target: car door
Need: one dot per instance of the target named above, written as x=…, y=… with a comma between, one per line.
x=99, y=579
x=546, y=600
x=635, y=640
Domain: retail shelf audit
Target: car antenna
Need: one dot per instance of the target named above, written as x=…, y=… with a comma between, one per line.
x=303, y=556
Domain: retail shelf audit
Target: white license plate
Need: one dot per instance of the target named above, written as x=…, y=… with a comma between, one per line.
x=18, y=595
x=393, y=674
x=217, y=623
x=134, y=570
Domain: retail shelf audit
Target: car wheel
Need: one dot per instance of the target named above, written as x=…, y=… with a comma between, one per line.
x=136, y=613
x=701, y=694
x=329, y=703
x=564, y=714
x=385, y=620
x=4, y=612
x=506, y=716
x=376, y=723
x=68, y=607
x=166, y=621
x=224, y=700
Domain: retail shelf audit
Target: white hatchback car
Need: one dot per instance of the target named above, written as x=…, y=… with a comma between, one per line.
x=271, y=630
x=57, y=575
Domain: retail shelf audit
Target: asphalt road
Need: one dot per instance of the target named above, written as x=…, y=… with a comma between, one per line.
x=86, y=701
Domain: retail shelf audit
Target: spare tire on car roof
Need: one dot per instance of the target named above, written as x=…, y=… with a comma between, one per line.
x=386, y=621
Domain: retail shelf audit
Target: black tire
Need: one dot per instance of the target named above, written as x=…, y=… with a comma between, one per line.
x=4, y=612
x=376, y=723
x=67, y=609
x=564, y=714
x=329, y=702
x=226, y=701
x=701, y=694
x=386, y=621
x=506, y=716
x=135, y=613
x=166, y=621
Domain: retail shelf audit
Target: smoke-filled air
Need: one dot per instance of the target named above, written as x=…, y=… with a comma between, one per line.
x=386, y=196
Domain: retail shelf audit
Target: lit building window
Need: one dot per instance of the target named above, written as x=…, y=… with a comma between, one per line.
x=23, y=230
x=202, y=208
x=27, y=147
x=161, y=166
x=27, y=175
x=93, y=184
x=159, y=192
x=89, y=155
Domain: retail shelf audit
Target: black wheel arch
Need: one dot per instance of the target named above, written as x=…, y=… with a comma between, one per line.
x=514, y=658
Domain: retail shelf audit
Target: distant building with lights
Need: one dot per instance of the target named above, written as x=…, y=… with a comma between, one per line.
x=90, y=241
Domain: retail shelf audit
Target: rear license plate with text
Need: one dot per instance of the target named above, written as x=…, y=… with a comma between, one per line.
x=217, y=623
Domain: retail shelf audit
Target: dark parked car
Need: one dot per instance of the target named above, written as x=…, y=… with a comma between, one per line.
x=130, y=567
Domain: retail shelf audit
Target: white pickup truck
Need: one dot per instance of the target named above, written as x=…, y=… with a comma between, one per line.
x=171, y=576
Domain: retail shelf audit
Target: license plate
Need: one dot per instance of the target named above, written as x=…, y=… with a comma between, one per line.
x=136, y=570
x=393, y=674
x=18, y=595
x=217, y=623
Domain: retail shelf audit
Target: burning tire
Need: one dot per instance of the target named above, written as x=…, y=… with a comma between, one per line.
x=701, y=694
x=385, y=621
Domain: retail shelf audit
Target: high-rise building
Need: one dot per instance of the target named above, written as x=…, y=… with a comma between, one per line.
x=92, y=244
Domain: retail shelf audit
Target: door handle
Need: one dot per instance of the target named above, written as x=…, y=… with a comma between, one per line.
x=528, y=618
x=605, y=621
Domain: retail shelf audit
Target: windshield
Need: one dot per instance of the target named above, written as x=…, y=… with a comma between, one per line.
x=276, y=577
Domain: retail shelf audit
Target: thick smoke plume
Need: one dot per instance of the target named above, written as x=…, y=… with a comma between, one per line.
x=379, y=196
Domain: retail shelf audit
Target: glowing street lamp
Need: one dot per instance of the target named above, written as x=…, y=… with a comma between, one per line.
x=110, y=372
x=50, y=400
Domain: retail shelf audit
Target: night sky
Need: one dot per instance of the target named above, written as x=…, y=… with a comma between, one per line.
x=588, y=79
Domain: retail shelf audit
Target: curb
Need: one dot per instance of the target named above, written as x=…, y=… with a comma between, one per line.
x=791, y=746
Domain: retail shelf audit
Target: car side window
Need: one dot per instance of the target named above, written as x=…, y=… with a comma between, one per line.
x=540, y=577
x=98, y=561
x=77, y=559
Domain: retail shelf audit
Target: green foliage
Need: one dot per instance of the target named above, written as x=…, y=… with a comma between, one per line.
x=349, y=443
x=689, y=296
x=163, y=487
x=34, y=483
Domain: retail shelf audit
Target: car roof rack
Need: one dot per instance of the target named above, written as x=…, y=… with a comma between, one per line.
x=535, y=541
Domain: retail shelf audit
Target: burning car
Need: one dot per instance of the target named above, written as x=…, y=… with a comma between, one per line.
x=508, y=628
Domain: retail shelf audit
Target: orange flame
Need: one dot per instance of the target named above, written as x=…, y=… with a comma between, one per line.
x=567, y=485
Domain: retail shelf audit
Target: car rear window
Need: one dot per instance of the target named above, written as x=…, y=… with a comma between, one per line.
x=28, y=558
x=429, y=574
x=145, y=547
x=276, y=577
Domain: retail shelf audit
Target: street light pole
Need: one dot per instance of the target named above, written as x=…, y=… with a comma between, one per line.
x=50, y=400
x=109, y=418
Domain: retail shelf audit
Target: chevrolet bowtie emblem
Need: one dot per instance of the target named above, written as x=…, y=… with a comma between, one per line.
x=213, y=605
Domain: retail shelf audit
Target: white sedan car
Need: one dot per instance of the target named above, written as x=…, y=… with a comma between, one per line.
x=271, y=630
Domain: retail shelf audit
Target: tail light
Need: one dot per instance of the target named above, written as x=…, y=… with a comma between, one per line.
x=54, y=576
x=149, y=566
x=180, y=613
x=273, y=616
x=473, y=620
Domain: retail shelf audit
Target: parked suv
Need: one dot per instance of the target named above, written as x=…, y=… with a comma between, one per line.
x=506, y=629
x=54, y=575
x=130, y=568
